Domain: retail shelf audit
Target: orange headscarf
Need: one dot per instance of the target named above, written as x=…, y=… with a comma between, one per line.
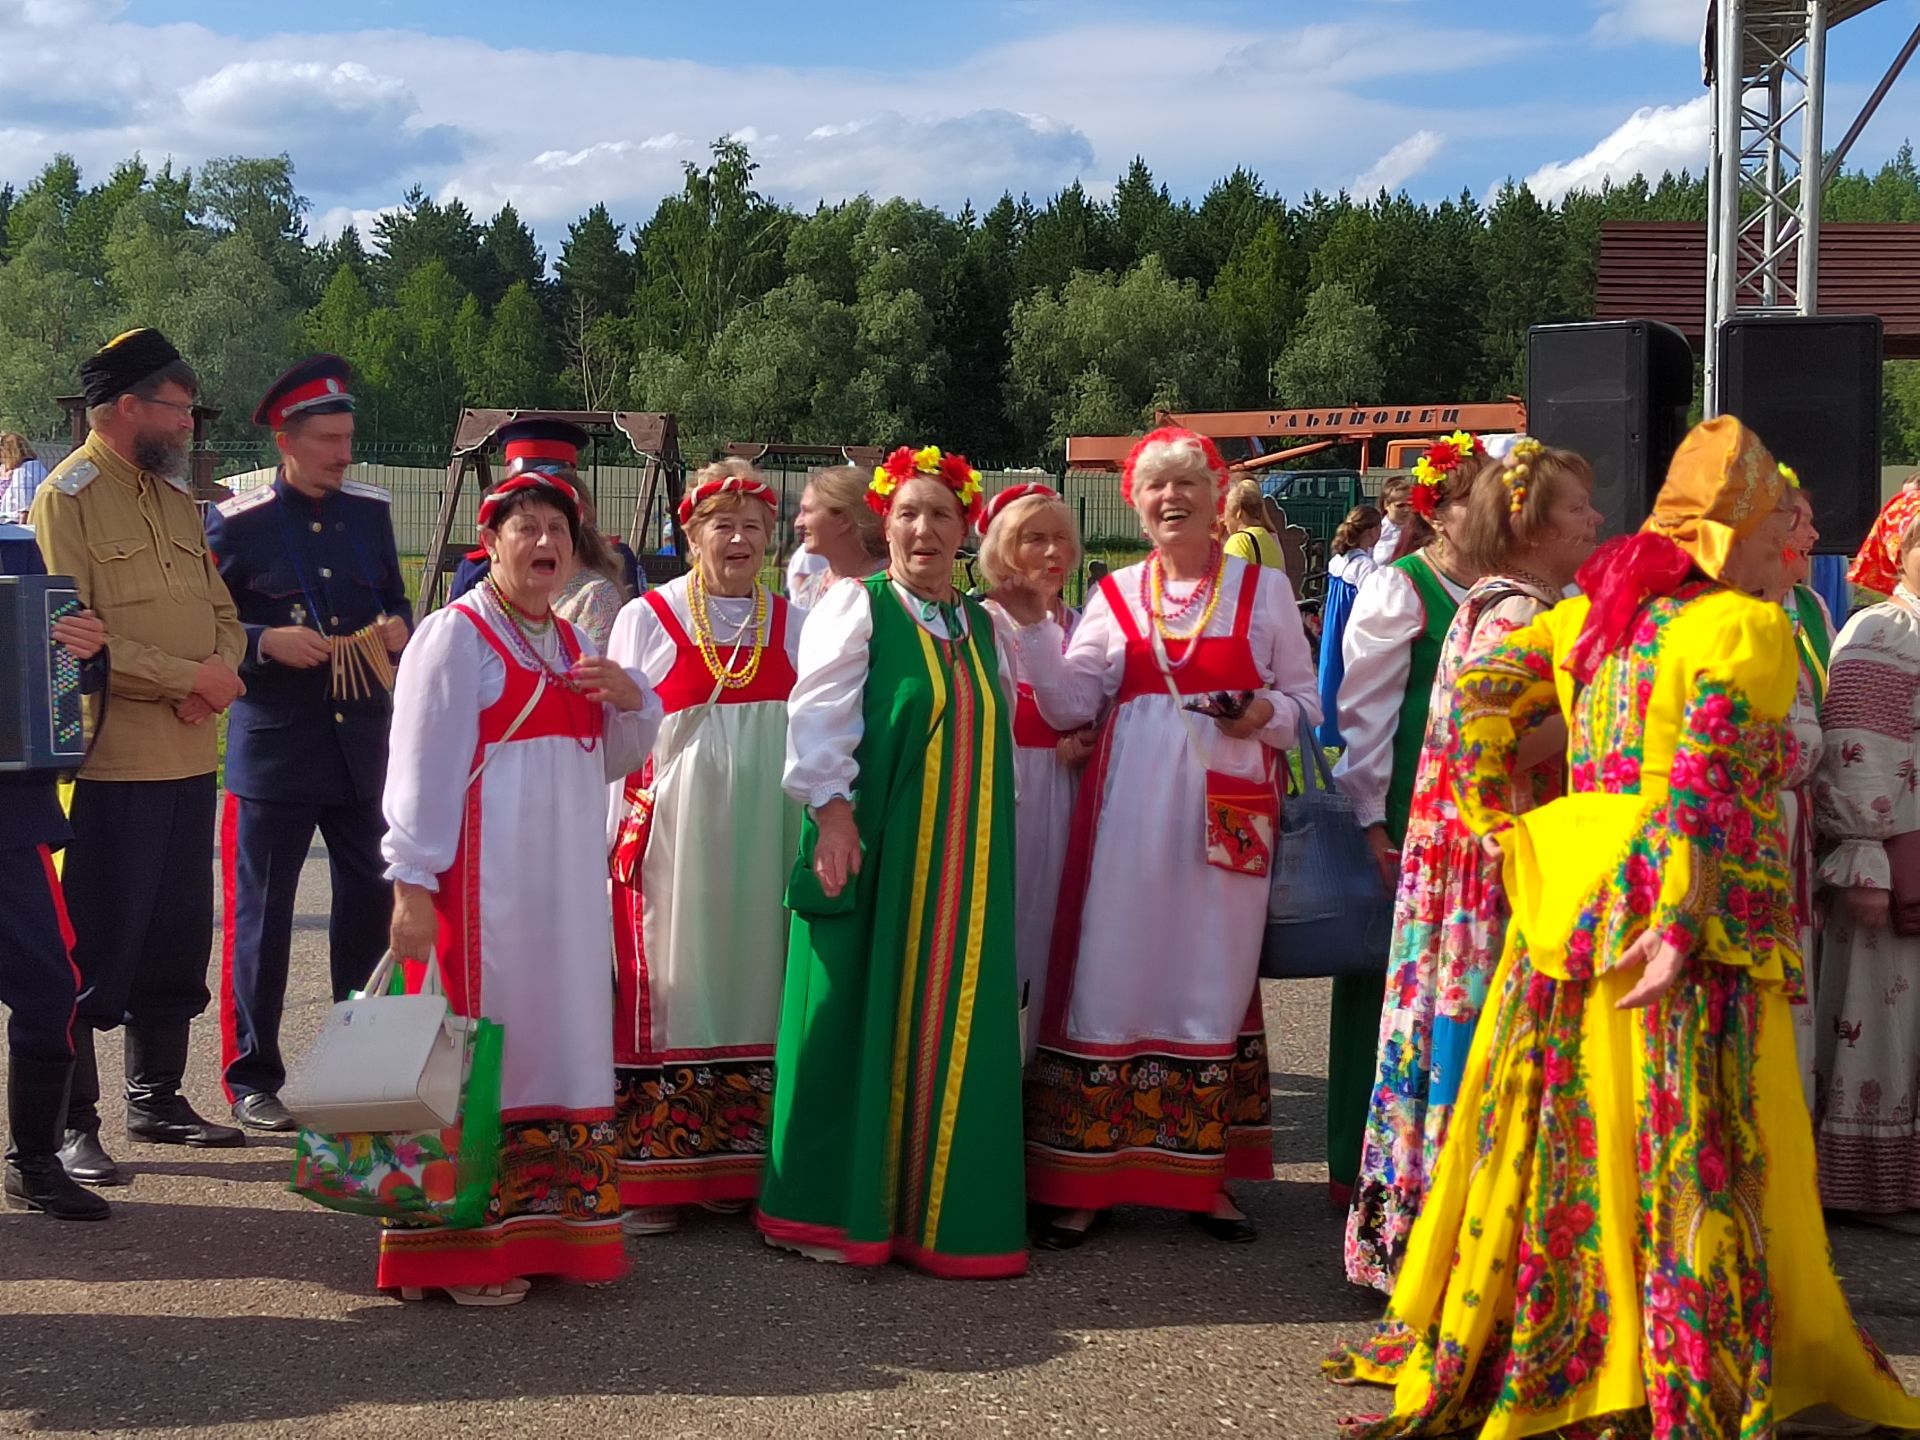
x=1721, y=486
x=1877, y=566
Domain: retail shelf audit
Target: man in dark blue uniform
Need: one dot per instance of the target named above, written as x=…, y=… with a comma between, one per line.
x=38, y=983
x=312, y=565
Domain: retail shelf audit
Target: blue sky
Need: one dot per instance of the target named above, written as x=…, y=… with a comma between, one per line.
x=942, y=102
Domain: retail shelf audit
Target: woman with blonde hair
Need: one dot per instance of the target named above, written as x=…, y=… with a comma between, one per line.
x=1351, y=561
x=1029, y=536
x=20, y=475
x=1150, y=1086
x=1250, y=534
x=1526, y=525
x=840, y=529
x=702, y=841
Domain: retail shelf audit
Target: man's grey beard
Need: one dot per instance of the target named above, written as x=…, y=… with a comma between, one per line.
x=166, y=457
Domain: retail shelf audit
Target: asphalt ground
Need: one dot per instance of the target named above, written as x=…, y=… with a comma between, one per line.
x=216, y=1303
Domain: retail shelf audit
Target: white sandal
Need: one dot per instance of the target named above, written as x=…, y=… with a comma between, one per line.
x=651, y=1220
x=511, y=1293
x=726, y=1207
x=826, y=1255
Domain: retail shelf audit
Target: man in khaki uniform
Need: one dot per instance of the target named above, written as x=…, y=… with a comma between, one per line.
x=117, y=515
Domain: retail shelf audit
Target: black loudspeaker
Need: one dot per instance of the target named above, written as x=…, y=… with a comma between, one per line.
x=1809, y=385
x=1618, y=392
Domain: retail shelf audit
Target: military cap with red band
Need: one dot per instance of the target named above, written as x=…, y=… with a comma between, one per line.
x=742, y=485
x=1012, y=493
x=318, y=385
x=541, y=443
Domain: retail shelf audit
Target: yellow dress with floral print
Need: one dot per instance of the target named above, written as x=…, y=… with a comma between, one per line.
x=1623, y=1235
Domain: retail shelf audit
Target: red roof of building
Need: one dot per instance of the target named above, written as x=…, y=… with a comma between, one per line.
x=1657, y=270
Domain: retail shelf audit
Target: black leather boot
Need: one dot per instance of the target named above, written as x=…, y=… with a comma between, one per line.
x=36, y=1110
x=156, y=1110
x=80, y=1152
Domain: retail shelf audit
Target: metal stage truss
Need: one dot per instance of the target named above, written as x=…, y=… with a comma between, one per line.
x=1767, y=168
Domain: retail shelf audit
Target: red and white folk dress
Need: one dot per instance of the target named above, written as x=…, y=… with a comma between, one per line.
x=516, y=862
x=1044, y=789
x=1150, y=1086
x=704, y=838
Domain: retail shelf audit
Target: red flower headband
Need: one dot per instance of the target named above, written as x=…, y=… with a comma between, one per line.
x=926, y=463
x=1176, y=437
x=726, y=485
x=1433, y=469
x=1012, y=493
x=530, y=480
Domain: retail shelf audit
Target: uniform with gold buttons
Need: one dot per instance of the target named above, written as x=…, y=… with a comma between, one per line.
x=309, y=552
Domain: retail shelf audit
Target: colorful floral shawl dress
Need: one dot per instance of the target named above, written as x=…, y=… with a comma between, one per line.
x=1449, y=919
x=1622, y=1235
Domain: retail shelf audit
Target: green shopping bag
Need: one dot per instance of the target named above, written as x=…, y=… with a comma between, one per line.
x=440, y=1179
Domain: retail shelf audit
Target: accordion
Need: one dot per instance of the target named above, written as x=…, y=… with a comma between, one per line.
x=42, y=715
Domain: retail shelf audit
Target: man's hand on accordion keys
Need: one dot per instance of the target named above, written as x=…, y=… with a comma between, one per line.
x=83, y=633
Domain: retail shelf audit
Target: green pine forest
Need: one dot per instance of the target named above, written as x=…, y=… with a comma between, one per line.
x=998, y=331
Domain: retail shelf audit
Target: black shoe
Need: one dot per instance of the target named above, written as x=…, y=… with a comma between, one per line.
x=36, y=1182
x=83, y=1159
x=1055, y=1236
x=156, y=1111
x=1234, y=1230
x=174, y=1122
x=264, y=1112
x=36, y=1111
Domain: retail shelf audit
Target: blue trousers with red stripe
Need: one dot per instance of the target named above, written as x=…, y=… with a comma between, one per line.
x=38, y=983
x=263, y=846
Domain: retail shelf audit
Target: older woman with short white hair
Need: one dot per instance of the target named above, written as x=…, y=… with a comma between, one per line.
x=1030, y=536
x=703, y=839
x=1150, y=1087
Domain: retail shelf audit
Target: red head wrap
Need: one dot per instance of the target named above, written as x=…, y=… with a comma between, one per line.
x=746, y=485
x=1877, y=566
x=531, y=480
x=1177, y=438
x=1012, y=493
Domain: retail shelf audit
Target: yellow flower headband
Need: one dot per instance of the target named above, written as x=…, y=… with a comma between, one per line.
x=906, y=463
x=1432, y=469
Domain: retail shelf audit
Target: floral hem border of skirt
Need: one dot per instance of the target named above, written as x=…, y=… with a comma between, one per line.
x=1156, y=1124
x=702, y=1136
x=555, y=1210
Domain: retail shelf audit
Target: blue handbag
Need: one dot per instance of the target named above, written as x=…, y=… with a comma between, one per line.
x=1327, y=913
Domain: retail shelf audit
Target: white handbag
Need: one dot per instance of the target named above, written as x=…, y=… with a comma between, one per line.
x=382, y=1062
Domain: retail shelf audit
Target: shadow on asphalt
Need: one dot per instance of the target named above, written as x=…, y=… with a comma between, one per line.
x=708, y=1311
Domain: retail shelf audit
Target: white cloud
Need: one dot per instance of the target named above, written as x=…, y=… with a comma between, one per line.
x=363, y=113
x=329, y=223
x=1651, y=141
x=1681, y=22
x=979, y=153
x=1400, y=164
x=1346, y=52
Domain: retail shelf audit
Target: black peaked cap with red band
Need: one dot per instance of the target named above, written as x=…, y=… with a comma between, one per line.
x=538, y=443
x=318, y=385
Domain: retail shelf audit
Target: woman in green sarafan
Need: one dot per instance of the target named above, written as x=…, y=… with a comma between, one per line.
x=896, y=1106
